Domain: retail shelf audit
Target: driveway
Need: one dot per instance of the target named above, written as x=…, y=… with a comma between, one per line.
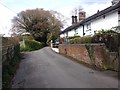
x=47, y=69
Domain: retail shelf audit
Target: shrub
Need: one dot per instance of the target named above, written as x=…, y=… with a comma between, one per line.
x=110, y=32
x=81, y=40
x=30, y=45
x=110, y=38
x=73, y=37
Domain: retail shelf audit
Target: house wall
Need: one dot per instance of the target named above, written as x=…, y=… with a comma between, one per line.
x=104, y=22
x=80, y=31
x=71, y=33
x=61, y=35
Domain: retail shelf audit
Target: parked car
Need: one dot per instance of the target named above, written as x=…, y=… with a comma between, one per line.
x=55, y=45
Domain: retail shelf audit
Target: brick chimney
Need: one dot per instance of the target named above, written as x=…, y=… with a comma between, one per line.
x=82, y=15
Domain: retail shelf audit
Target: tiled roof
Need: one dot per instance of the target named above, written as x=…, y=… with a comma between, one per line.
x=101, y=13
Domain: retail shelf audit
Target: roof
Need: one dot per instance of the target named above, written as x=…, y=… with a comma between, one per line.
x=103, y=12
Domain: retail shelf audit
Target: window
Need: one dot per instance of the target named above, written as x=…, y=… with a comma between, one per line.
x=104, y=16
x=88, y=26
x=76, y=31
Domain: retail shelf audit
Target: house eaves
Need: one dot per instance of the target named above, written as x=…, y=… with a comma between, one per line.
x=99, y=14
x=74, y=26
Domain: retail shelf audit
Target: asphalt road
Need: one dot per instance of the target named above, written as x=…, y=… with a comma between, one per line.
x=47, y=69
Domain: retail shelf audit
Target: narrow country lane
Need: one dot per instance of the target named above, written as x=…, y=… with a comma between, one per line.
x=47, y=69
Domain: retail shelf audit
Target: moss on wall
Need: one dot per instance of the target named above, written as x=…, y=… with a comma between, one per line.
x=90, y=49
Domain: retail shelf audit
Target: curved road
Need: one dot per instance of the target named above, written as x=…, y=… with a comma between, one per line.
x=47, y=69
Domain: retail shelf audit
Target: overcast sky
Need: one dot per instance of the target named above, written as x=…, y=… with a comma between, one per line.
x=10, y=8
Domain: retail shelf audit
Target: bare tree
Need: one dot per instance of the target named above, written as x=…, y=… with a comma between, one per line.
x=38, y=22
x=76, y=10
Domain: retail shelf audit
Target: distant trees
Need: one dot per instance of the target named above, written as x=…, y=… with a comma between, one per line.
x=41, y=24
x=76, y=10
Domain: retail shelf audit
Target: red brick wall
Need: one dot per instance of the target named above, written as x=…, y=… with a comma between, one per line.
x=80, y=52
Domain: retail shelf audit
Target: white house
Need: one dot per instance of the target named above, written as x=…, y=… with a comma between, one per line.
x=105, y=19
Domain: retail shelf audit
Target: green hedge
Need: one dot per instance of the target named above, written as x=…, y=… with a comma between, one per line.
x=30, y=45
x=73, y=37
x=81, y=40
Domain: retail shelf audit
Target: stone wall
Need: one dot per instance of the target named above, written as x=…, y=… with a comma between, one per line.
x=93, y=54
x=10, y=46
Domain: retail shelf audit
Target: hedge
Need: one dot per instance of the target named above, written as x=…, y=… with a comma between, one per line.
x=30, y=45
x=81, y=40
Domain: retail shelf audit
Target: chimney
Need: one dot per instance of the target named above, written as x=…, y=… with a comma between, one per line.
x=115, y=2
x=75, y=17
x=82, y=16
x=98, y=11
x=73, y=21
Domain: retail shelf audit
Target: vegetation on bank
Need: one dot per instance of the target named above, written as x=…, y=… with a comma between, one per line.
x=29, y=44
x=11, y=63
x=9, y=67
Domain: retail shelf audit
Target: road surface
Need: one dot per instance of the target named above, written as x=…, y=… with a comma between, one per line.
x=47, y=69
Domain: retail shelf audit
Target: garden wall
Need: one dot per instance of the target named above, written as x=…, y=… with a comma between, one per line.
x=10, y=59
x=10, y=48
x=93, y=54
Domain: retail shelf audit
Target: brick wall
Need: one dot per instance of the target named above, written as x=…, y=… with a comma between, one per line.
x=93, y=54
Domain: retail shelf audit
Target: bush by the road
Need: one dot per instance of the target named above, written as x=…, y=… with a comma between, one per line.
x=81, y=40
x=30, y=45
x=110, y=38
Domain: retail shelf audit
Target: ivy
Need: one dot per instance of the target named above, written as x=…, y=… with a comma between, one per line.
x=90, y=49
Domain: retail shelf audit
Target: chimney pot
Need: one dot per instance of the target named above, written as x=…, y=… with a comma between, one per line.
x=73, y=21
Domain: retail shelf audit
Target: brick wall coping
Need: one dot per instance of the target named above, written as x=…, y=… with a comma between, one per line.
x=92, y=44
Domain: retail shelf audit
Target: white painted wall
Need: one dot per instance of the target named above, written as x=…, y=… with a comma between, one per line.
x=80, y=30
x=110, y=20
x=71, y=33
x=61, y=35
